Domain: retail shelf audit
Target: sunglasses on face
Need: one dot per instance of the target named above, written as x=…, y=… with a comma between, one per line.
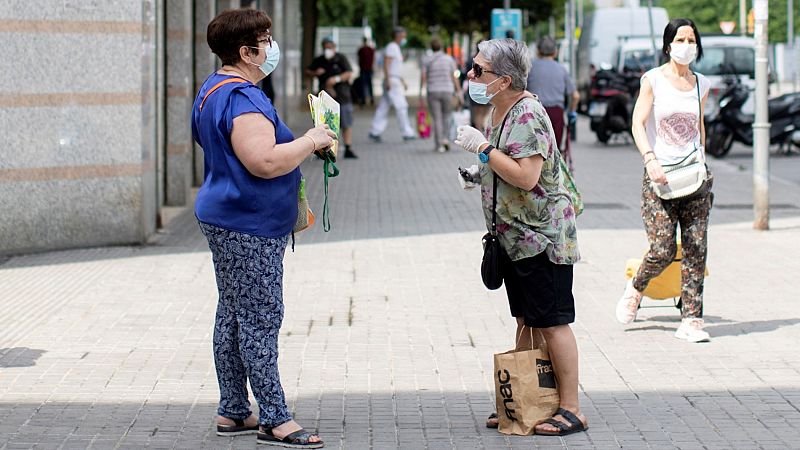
x=478, y=70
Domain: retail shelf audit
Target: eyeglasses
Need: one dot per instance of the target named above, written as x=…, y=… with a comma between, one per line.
x=480, y=70
x=267, y=40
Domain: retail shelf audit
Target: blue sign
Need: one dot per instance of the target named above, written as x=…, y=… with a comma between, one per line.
x=507, y=23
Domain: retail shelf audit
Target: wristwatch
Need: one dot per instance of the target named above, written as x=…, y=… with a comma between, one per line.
x=484, y=155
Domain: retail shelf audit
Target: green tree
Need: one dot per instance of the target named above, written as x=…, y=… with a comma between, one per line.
x=707, y=14
x=420, y=16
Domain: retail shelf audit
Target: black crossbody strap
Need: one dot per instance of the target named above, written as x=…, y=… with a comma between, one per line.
x=699, y=109
x=699, y=112
x=494, y=175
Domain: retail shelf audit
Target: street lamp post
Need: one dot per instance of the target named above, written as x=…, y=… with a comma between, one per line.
x=652, y=29
x=761, y=123
x=743, y=17
x=569, y=27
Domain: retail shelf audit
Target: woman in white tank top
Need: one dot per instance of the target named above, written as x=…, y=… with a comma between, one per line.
x=668, y=127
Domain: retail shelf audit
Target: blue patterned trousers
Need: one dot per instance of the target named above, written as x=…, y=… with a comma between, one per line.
x=249, y=272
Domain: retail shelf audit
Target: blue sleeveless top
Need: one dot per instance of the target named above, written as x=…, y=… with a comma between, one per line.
x=231, y=197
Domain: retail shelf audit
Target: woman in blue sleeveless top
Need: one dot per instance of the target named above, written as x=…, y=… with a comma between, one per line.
x=246, y=208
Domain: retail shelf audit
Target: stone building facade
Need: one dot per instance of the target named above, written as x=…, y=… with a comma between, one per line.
x=94, y=113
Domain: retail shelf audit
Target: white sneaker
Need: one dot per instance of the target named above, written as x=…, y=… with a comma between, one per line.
x=691, y=330
x=628, y=305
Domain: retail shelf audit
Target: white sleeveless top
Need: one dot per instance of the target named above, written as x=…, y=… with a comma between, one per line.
x=673, y=128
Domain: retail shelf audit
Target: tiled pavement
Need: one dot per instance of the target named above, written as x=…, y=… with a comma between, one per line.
x=388, y=335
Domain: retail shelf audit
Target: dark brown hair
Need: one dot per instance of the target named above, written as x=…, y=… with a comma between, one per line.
x=671, y=30
x=234, y=28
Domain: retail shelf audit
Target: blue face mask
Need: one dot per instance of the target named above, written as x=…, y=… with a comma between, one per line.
x=403, y=42
x=478, y=92
x=272, y=59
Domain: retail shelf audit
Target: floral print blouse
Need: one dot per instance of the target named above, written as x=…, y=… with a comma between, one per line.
x=542, y=219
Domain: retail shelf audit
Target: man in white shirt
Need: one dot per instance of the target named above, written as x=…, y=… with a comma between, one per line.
x=394, y=88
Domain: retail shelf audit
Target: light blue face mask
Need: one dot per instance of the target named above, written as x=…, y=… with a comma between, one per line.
x=403, y=42
x=272, y=59
x=478, y=92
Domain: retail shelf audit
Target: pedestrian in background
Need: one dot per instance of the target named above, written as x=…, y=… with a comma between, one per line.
x=333, y=71
x=366, y=63
x=394, y=91
x=477, y=112
x=551, y=82
x=668, y=128
x=246, y=208
x=535, y=217
x=440, y=81
x=268, y=88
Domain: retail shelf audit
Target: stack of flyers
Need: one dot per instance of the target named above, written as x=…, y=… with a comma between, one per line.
x=324, y=109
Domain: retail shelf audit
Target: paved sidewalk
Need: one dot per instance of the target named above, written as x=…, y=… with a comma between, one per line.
x=389, y=333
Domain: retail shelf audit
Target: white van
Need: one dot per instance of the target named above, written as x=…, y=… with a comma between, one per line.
x=601, y=34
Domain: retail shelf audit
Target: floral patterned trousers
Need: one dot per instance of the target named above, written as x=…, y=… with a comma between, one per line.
x=661, y=218
x=249, y=272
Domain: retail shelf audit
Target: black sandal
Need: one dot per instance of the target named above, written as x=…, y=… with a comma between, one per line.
x=573, y=424
x=492, y=416
x=239, y=429
x=298, y=439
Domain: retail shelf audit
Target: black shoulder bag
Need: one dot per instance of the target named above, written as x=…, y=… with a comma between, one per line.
x=490, y=266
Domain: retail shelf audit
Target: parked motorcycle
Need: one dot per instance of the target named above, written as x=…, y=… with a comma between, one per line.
x=611, y=105
x=728, y=123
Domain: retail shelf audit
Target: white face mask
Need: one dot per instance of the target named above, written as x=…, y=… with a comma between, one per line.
x=478, y=92
x=683, y=54
x=329, y=53
x=273, y=57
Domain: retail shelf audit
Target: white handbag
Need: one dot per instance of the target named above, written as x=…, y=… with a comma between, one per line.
x=684, y=178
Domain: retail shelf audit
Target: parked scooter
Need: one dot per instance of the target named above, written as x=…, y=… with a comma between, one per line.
x=728, y=123
x=611, y=105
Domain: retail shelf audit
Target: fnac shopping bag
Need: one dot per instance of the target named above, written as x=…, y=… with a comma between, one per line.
x=525, y=387
x=423, y=123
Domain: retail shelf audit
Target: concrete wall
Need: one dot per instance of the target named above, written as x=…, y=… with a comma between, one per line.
x=74, y=107
x=94, y=113
x=180, y=95
x=204, y=64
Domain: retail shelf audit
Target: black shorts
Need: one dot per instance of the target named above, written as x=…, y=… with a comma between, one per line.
x=539, y=291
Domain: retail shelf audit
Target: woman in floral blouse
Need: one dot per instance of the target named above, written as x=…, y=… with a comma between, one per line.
x=535, y=216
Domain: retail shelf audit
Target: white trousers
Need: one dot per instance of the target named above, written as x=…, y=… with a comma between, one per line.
x=395, y=98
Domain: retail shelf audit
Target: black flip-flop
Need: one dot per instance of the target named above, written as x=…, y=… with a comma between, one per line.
x=492, y=416
x=239, y=429
x=298, y=439
x=573, y=425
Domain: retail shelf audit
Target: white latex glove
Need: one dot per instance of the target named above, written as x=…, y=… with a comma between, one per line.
x=470, y=139
x=469, y=178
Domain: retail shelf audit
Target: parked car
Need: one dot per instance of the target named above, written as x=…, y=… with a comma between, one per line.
x=726, y=56
x=634, y=54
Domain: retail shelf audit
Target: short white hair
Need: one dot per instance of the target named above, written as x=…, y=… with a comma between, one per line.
x=508, y=57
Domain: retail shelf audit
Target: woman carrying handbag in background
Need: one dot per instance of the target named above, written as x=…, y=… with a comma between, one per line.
x=669, y=133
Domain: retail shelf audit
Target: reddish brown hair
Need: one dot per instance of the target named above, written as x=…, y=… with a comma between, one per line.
x=235, y=28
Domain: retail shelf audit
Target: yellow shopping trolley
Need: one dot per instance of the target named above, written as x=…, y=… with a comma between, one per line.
x=665, y=286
